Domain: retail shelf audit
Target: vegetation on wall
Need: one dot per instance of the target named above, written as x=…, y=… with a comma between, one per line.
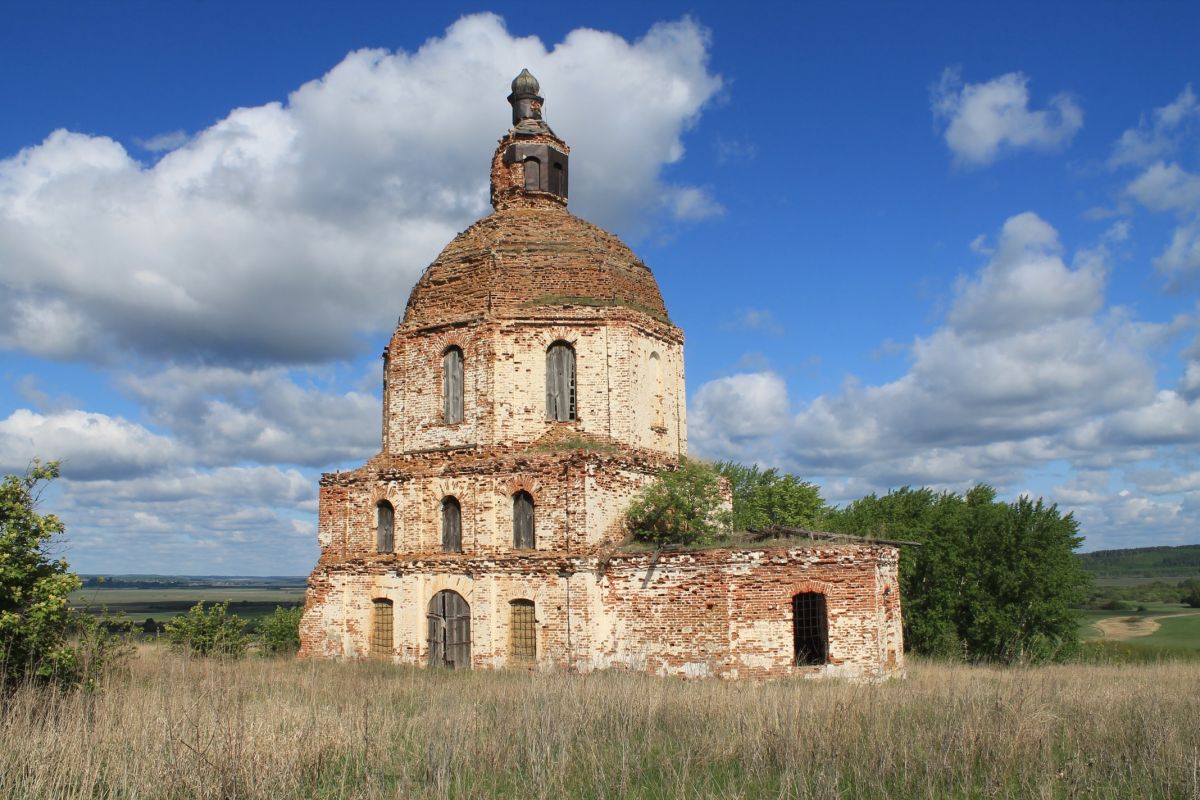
x=762, y=498
x=680, y=507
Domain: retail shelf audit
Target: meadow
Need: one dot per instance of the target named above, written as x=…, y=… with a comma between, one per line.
x=162, y=604
x=167, y=726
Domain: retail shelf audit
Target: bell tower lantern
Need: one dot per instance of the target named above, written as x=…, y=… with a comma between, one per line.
x=532, y=160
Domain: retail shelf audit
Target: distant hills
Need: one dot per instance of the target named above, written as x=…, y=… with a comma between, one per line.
x=193, y=581
x=1144, y=562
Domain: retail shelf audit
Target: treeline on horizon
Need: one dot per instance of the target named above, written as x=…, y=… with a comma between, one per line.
x=1144, y=562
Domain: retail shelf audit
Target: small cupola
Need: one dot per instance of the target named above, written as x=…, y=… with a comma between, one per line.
x=530, y=166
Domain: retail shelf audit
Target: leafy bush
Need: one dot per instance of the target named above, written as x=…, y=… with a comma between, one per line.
x=762, y=498
x=991, y=581
x=681, y=506
x=208, y=632
x=41, y=637
x=280, y=632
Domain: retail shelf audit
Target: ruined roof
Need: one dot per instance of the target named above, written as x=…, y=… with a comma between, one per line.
x=519, y=259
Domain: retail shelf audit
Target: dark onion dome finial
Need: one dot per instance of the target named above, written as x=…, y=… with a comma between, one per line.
x=527, y=105
x=525, y=84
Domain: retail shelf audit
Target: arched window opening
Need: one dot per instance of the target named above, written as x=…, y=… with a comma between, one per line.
x=381, y=628
x=449, y=636
x=522, y=633
x=523, y=521
x=659, y=400
x=452, y=385
x=385, y=517
x=560, y=382
x=810, y=628
x=558, y=180
x=451, y=526
x=533, y=175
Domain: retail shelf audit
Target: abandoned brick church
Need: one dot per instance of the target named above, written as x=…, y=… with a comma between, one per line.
x=532, y=388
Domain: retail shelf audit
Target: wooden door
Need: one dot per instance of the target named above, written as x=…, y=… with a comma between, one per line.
x=449, y=631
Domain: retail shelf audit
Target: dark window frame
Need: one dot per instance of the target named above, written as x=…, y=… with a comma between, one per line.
x=522, y=632
x=451, y=525
x=524, y=521
x=561, y=382
x=385, y=535
x=453, y=379
x=810, y=629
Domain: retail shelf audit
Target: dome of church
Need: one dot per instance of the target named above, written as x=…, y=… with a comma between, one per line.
x=519, y=259
x=530, y=253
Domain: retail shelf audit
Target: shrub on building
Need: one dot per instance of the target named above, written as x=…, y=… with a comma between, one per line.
x=208, y=632
x=682, y=506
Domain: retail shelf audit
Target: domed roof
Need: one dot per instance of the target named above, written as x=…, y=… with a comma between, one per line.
x=517, y=260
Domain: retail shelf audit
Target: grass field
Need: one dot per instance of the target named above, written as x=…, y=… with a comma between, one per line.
x=163, y=604
x=169, y=727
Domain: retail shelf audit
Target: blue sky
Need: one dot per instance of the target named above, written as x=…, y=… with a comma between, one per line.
x=928, y=245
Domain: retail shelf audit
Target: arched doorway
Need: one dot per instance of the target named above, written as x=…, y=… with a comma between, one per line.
x=449, y=631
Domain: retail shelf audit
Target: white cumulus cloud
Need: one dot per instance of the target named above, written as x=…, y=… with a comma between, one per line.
x=286, y=232
x=984, y=120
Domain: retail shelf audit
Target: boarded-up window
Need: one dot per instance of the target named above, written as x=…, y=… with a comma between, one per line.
x=452, y=385
x=560, y=382
x=533, y=174
x=449, y=637
x=522, y=632
x=451, y=526
x=384, y=524
x=381, y=629
x=810, y=628
x=523, y=521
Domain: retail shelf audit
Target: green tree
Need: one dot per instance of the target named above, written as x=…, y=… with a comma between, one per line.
x=280, y=632
x=1191, y=593
x=36, y=621
x=990, y=581
x=208, y=632
x=681, y=506
x=762, y=498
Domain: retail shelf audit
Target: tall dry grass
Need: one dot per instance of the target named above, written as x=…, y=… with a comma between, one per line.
x=169, y=727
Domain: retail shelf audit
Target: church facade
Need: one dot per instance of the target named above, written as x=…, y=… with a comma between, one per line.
x=533, y=386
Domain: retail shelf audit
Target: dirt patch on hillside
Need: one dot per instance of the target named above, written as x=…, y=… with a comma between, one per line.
x=1120, y=628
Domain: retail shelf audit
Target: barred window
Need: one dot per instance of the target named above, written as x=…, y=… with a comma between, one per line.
x=522, y=632
x=384, y=523
x=381, y=629
x=810, y=628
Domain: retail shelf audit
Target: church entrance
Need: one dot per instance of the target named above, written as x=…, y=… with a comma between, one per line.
x=449, y=631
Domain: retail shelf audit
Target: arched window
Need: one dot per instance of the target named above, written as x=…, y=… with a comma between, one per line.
x=449, y=638
x=659, y=399
x=560, y=382
x=533, y=174
x=381, y=628
x=385, y=517
x=523, y=521
x=810, y=628
x=522, y=632
x=451, y=526
x=452, y=385
x=558, y=180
